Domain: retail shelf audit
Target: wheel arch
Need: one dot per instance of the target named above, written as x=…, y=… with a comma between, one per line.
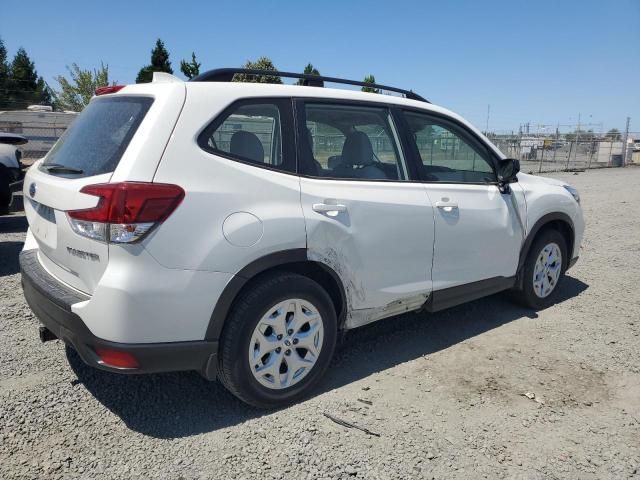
x=558, y=221
x=295, y=261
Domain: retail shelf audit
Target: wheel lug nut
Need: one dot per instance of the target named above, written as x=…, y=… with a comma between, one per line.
x=295, y=341
x=289, y=332
x=279, y=337
x=278, y=350
x=287, y=352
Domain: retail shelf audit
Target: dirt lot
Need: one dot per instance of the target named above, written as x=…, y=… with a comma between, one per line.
x=445, y=392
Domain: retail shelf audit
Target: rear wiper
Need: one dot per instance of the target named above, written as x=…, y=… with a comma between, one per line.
x=57, y=167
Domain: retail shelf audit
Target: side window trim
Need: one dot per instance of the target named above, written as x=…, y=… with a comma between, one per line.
x=396, y=126
x=283, y=104
x=458, y=128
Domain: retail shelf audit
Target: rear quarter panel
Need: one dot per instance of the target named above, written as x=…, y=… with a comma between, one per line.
x=259, y=209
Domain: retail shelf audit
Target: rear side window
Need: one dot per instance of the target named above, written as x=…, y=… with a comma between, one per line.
x=96, y=140
x=251, y=131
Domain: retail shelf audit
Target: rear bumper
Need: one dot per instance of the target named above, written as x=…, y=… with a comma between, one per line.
x=51, y=302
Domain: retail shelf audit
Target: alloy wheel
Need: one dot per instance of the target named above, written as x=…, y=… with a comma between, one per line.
x=547, y=270
x=286, y=343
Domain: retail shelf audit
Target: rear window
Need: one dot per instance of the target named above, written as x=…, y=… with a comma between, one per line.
x=96, y=140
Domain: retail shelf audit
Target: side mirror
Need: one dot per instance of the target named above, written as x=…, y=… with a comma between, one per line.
x=508, y=169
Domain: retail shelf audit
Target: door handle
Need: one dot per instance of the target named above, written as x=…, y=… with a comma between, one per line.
x=447, y=206
x=330, y=209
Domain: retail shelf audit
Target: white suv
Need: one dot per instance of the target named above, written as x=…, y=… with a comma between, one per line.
x=235, y=228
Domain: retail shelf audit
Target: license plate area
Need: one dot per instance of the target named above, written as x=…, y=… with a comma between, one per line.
x=43, y=211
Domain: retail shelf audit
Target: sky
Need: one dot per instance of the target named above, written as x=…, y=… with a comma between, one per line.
x=543, y=62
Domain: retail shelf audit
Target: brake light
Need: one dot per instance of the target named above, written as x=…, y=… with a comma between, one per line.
x=109, y=89
x=126, y=211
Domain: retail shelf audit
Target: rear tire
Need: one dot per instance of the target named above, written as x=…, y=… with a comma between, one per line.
x=253, y=340
x=5, y=192
x=543, y=270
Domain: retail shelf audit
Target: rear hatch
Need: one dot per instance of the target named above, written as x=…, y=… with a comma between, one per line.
x=119, y=136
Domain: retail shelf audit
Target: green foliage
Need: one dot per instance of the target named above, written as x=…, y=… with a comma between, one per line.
x=370, y=79
x=309, y=70
x=582, y=136
x=159, y=63
x=614, y=135
x=20, y=85
x=76, y=92
x=145, y=75
x=4, y=76
x=263, y=63
x=190, y=69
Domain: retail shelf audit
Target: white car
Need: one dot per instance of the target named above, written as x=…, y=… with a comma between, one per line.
x=236, y=228
x=11, y=168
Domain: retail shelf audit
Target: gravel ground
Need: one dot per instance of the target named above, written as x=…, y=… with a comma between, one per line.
x=446, y=393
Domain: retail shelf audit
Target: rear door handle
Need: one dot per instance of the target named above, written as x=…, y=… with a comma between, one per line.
x=447, y=206
x=330, y=209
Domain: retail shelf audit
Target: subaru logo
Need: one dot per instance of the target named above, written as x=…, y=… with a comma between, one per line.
x=32, y=190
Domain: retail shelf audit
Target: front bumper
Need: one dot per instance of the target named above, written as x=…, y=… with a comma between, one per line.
x=51, y=302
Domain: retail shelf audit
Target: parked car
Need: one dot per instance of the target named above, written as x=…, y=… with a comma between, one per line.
x=11, y=168
x=236, y=228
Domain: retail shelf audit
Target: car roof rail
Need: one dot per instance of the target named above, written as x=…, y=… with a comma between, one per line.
x=226, y=75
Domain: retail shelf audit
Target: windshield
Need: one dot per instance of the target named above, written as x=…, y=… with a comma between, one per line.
x=94, y=143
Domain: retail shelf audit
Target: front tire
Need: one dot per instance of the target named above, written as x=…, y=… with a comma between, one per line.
x=543, y=270
x=278, y=340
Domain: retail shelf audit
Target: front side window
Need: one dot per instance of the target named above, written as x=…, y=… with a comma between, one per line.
x=350, y=142
x=445, y=155
x=249, y=132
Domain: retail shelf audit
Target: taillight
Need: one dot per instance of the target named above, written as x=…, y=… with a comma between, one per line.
x=109, y=89
x=126, y=211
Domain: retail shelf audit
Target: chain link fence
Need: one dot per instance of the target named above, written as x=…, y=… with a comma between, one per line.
x=544, y=154
x=537, y=153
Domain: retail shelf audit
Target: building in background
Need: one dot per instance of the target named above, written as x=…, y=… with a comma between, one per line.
x=41, y=126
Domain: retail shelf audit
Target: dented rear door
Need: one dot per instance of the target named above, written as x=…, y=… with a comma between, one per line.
x=376, y=234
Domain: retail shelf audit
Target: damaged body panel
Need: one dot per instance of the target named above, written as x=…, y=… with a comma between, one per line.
x=379, y=241
x=358, y=318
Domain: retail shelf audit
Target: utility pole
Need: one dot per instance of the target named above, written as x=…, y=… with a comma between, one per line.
x=486, y=129
x=624, y=142
x=577, y=138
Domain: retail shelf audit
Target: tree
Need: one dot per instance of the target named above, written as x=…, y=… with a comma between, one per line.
x=76, y=92
x=190, y=69
x=613, y=135
x=24, y=86
x=583, y=136
x=159, y=63
x=44, y=92
x=370, y=79
x=4, y=77
x=263, y=63
x=308, y=70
